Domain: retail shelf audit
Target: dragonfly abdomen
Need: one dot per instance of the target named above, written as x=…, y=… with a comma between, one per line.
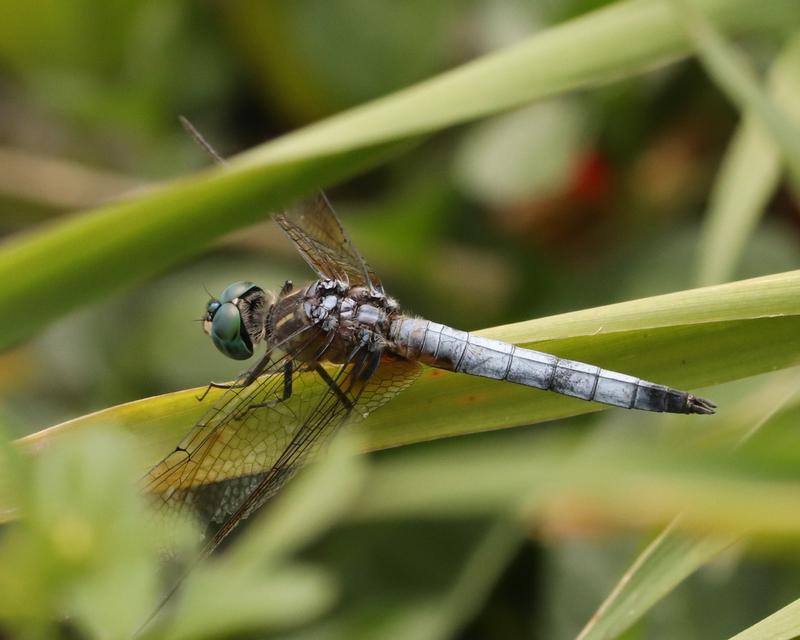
x=446, y=348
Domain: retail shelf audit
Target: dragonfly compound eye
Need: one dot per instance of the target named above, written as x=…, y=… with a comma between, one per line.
x=236, y=290
x=228, y=333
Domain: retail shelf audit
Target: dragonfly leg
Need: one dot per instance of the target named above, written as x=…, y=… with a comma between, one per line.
x=249, y=379
x=334, y=387
x=288, y=371
x=368, y=360
x=219, y=385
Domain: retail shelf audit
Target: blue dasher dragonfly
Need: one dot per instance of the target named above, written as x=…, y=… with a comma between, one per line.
x=334, y=351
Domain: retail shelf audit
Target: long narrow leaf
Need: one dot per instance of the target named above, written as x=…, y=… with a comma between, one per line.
x=734, y=76
x=47, y=273
x=748, y=177
x=688, y=339
x=665, y=563
x=627, y=483
x=781, y=625
x=672, y=556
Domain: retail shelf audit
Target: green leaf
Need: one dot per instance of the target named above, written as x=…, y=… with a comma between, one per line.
x=425, y=579
x=473, y=583
x=84, y=549
x=687, y=339
x=748, y=177
x=781, y=625
x=61, y=267
x=623, y=481
x=218, y=601
x=260, y=591
x=87, y=550
x=735, y=77
x=664, y=564
x=672, y=556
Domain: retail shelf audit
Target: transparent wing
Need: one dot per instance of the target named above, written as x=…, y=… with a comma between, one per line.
x=329, y=414
x=229, y=441
x=255, y=438
x=315, y=230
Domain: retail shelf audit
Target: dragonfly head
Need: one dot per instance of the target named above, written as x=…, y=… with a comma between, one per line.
x=235, y=321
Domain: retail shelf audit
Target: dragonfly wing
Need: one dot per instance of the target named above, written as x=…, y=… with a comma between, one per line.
x=316, y=231
x=255, y=438
x=242, y=434
x=348, y=399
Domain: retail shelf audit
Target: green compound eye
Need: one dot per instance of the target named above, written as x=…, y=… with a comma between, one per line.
x=236, y=290
x=227, y=332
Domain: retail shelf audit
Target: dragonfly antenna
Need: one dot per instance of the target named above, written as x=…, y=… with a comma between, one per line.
x=200, y=140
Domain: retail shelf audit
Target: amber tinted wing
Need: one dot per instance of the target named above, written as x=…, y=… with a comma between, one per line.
x=316, y=231
x=322, y=422
x=243, y=433
x=251, y=443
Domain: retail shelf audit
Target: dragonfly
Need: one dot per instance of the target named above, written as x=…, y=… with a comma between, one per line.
x=334, y=350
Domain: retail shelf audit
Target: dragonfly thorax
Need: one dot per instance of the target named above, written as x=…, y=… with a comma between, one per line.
x=329, y=319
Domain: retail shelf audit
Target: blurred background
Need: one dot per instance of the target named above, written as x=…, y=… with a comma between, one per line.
x=589, y=199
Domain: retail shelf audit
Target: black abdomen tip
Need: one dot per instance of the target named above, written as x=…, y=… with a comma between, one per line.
x=699, y=405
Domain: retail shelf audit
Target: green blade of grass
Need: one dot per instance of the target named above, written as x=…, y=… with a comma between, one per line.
x=473, y=584
x=748, y=177
x=734, y=76
x=307, y=508
x=47, y=273
x=688, y=339
x=665, y=563
x=627, y=482
x=672, y=556
x=781, y=625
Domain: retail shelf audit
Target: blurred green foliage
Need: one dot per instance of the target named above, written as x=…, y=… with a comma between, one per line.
x=582, y=200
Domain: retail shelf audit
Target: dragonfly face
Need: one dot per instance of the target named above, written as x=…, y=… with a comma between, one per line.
x=235, y=321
